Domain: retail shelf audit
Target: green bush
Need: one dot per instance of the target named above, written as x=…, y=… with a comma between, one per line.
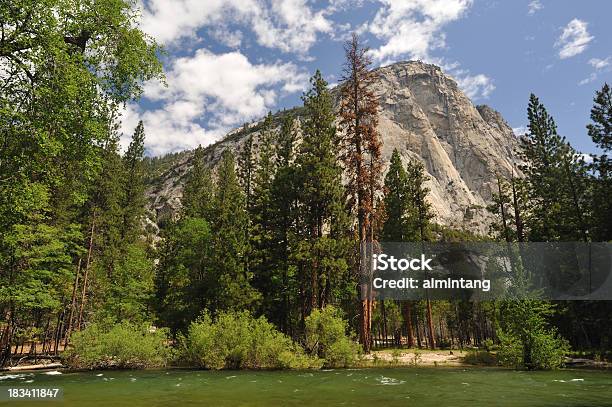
x=240, y=341
x=549, y=351
x=542, y=350
x=510, y=351
x=124, y=346
x=326, y=337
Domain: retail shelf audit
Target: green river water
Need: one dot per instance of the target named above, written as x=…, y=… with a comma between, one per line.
x=365, y=387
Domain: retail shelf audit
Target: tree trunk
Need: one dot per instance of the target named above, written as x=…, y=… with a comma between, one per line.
x=85, y=277
x=432, y=338
x=407, y=308
x=73, y=303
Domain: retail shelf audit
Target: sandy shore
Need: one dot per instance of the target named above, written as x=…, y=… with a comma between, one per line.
x=417, y=357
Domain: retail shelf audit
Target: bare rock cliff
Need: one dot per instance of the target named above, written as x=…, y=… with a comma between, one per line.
x=425, y=116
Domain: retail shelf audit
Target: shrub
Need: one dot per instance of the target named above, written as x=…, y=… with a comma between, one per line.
x=510, y=351
x=541, y=350
x=124, y=346
x=240, y=341
x=548, y=351
x=326, y=337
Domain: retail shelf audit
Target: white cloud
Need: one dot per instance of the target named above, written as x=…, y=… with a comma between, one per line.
x=226, y=89
x=520, y=131
x=412, y=27
x=534, y=6
x=588, y=158
x=475, y=86
x=479, y=86
x=591, y=78
x=599, y=64
x=574, y=39
x=288, y=25
x=225, y=36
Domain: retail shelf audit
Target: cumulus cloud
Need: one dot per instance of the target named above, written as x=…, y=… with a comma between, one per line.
x=288, y=25
x=574, y=39
x=226, y=89
x=478, y=86
x=475, y=86
x=599, y=64
x=413, y=27
x=534, y=6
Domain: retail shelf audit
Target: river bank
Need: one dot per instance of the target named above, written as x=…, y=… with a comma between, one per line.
x=422, y=386
x=385, y=358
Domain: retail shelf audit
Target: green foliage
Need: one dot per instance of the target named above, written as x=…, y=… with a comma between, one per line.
x=237, y=340
x=326, y=337
x=230, y=222
x=67, y=68
x=43, y=257
x=133, y=202
x=323, y=221
x=128, y=295
x=199, y=190
x=600, y=131
x=555, y=181
x=183, y=280
x=397, y=202
x=124, y=345
x=526, y=340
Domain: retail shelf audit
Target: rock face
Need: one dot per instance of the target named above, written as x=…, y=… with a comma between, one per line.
x=425, y=116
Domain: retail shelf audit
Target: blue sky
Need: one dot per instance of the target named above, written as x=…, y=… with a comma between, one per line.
x=231, y=61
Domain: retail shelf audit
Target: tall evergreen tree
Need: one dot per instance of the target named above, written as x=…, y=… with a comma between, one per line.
x=198, y=193
x=420, y=223
x=246, y=168
x=321, y=200
x=261, y=257
x=397, y=203
x=556, y=181
x=284, y=190
x=134, y=186
x=397, y=226
x=231, y=287
x=600, y=131
x=361, y=156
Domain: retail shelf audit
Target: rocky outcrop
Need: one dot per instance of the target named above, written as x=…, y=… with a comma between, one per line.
x=426, y=116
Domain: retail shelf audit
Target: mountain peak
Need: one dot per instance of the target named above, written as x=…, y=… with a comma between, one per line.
x=426, y=117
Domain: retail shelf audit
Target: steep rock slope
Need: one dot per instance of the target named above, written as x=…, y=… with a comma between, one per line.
x=426, y=116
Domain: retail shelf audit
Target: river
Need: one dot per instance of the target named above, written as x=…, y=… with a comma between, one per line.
x=421, y=387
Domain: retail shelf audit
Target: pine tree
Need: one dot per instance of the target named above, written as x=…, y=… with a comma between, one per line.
x=246, y=168
x=231, y=288
x=397, y=203
x=184, y=280
x=133, y=196
x=198, y=193
x=397, y=227
x=361, y=155
x=284, y=190
x=420, y=222
x=321, y=200
x=556, y=181
x=261, y=259
x=600, y=131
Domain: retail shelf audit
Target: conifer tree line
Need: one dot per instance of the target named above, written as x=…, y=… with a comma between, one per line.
x=275, y=228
